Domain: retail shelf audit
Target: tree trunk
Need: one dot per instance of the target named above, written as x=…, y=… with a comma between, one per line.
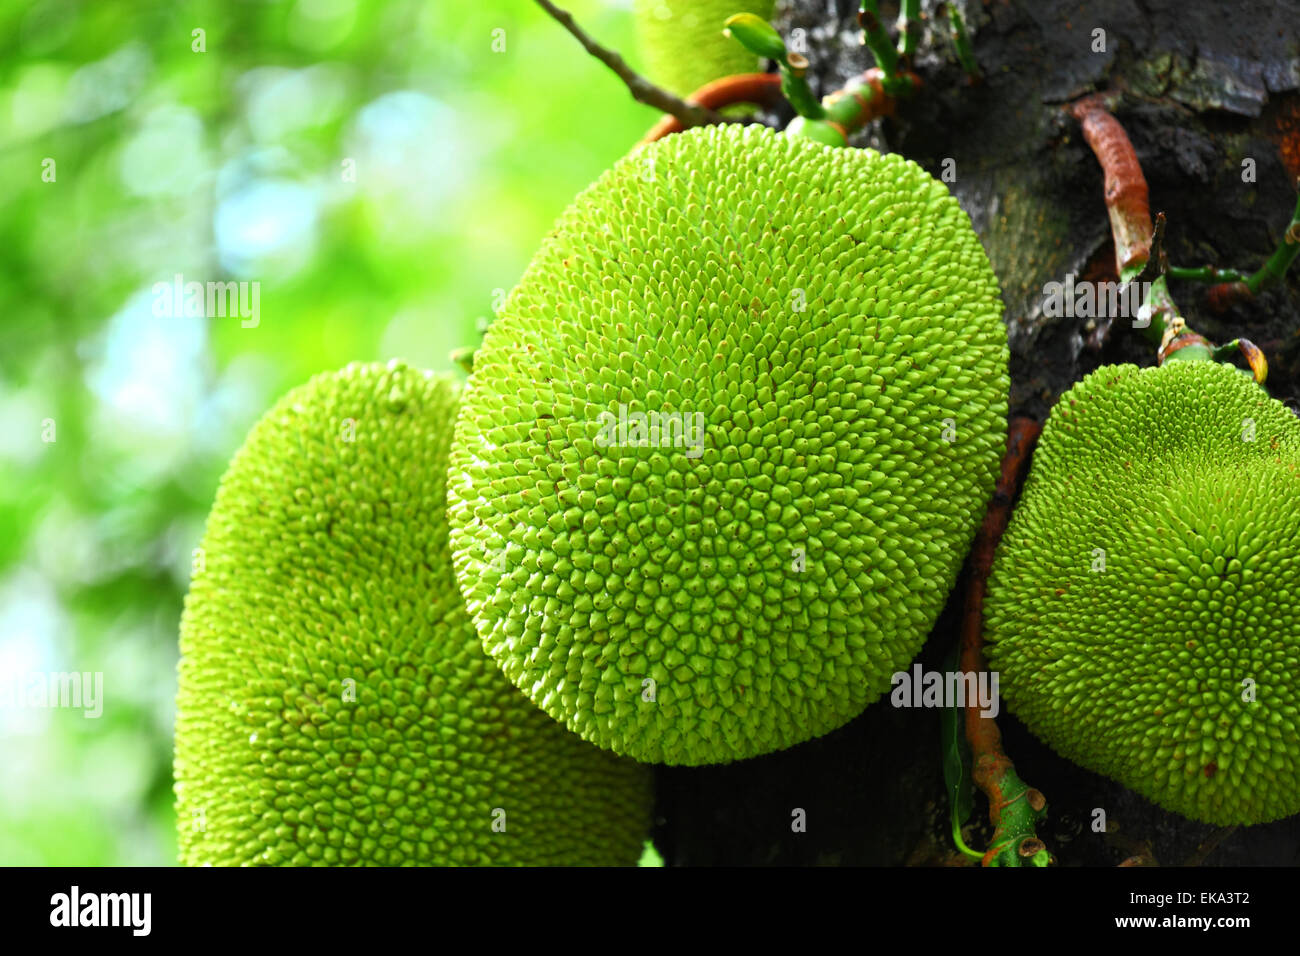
x=1203, y=88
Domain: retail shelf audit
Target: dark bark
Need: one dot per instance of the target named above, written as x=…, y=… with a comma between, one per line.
x=1202, y=87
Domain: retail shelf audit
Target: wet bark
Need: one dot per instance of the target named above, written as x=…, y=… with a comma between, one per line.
x=1203, y=87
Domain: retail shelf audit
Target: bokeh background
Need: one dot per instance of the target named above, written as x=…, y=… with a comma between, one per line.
x=469, y=127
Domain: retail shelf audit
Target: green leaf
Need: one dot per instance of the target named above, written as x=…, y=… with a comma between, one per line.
x=756, y=35
x=956, y=764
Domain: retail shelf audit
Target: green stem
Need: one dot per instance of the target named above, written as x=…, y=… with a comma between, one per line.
x=876, y=39
x=1205, y=274
x=1245, y=288
x=961, y=844
x=909, y=28
x=1160, y=310
x=1271, y=272
x=758, y=36
x=1015, y=842
x=832, y=119
x=957, y=762
x=961, y=43
x=847, y=110
x=852, y=107
x=796, y=89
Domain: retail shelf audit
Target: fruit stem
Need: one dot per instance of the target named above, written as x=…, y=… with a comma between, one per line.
x=796, y=88
x=961, y=45
x=760, y=89
x=1139, y=246
x=831, y=121
x=849, y=109
x=1014, y=806
x=1205, y=274
x=760, y=38
x=909, y=28
x=875, y=38
x=1244, y=289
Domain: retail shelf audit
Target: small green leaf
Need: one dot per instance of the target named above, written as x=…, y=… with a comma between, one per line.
x=756, y=35
x=956, y=764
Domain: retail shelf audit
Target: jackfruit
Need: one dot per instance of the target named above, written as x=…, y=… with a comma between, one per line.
x=805, y=345
x=683, y=45
x=335, y=705
x=1142, y=609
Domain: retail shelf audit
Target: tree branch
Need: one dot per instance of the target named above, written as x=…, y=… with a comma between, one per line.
x=642, y=90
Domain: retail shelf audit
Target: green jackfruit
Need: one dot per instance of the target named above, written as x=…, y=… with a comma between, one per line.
x=683, y=45
x=812, y=340
x=335, y=705
x=1143, y=610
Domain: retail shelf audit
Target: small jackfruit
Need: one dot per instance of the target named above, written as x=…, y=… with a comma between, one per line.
x=335, y=705
x=727, y=442
x=1142, y=609
x=683, y=44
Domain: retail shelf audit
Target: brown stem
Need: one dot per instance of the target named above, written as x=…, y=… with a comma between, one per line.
x=1126, y=187
x=1227, y=294
x=1139, y=251
x=642, y=90
x=991, y=767
x=761, y=89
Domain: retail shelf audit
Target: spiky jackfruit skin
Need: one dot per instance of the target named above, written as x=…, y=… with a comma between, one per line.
x=831, y=317
x=683, y=45
x=335, y=705
x=1136, y=668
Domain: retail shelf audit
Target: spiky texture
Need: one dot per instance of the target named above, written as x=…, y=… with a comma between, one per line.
x=335, y=706
x=682, y=43
x=1146, y=590
x=831, y=319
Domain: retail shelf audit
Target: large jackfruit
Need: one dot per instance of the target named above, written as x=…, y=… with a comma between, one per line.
x=1143, y=608
x=335, y=705
x=727, y=442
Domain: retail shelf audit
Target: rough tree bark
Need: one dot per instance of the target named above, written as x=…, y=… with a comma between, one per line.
x=1203, y=87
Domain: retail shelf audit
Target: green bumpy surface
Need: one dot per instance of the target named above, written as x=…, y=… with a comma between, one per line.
x=1136, y=671
x=683, y=45
x=325, y=562
x=832, y=317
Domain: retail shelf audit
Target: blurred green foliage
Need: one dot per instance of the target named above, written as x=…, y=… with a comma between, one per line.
x=129, y=156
